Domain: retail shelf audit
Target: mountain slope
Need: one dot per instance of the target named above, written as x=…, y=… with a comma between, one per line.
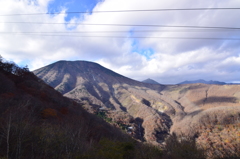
x=211, y=115
x=38, y=122
x=88, y=82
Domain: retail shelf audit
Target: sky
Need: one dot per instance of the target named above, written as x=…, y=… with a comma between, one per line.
x=135, y=45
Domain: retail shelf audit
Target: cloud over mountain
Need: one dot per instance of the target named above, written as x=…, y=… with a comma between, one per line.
x=166, y=60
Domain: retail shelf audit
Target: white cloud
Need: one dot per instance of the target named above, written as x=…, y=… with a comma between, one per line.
x=172, y=61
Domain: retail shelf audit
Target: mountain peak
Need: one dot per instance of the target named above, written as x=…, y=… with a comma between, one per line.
x=66, y=75
x=150, y=81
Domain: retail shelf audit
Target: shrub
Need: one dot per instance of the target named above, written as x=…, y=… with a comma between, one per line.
x=12, y=68
x=49, y=112
x=182, y=148
x=109, y=149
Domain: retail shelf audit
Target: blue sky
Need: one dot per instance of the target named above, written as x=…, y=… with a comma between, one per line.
x=72, y=6
x=168, y=61
x=147, y=52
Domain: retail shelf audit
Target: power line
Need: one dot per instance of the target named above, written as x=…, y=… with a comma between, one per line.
x=121, y=31
x=119, y=11
x=142, y=37
x=133, y=25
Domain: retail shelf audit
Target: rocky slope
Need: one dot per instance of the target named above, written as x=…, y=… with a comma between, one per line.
x=156, y=109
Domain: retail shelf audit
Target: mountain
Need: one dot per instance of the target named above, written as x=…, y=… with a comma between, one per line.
x=150, y=81
x=36, y=117
x=150, y=112
x=90, y=83
x=38, y=122
x=203, y=81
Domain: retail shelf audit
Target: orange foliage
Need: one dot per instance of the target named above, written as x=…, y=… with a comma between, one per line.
x=49, y=112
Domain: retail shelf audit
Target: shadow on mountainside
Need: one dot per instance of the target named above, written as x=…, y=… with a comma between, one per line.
x=194, y=113
x=104, y=96
x=215, y=99
x=115, y=99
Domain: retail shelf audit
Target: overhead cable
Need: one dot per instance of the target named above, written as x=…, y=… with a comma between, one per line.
x=141, y=37
x=119, y=11
x=117, y=31
x=133, y=25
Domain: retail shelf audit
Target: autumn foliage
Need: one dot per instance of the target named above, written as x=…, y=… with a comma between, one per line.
x=38, y=122
x=49, y=112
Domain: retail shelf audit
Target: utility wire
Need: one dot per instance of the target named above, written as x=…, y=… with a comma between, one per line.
x=142, y=37
x=133, y=25
x=119, y=11
x=120, y=31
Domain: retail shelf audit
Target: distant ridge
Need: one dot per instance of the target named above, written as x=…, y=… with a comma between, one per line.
x=204, y=82
x=150, y=81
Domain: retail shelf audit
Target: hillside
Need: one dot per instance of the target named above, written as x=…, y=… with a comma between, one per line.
x=211, y=115
x=153, y=111
x=90, y=83
x=37, y=122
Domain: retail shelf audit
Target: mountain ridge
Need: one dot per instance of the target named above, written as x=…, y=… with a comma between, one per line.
x=203, y=81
